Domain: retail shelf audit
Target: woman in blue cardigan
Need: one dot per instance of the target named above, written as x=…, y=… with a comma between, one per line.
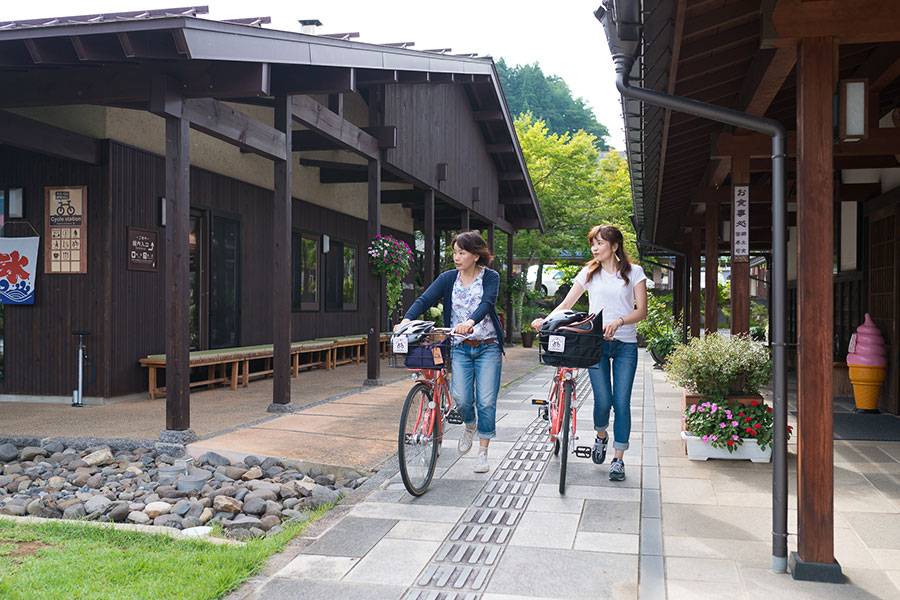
x=469, y=294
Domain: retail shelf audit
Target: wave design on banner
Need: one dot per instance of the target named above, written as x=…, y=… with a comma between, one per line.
x=18, y=264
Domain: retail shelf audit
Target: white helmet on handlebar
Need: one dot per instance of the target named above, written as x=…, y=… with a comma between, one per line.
x=414, y=330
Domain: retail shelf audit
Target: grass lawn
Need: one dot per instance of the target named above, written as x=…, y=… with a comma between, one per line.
x=62, y=560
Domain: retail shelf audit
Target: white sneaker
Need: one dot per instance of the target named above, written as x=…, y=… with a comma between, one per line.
x=465, y=441
x=481, y=464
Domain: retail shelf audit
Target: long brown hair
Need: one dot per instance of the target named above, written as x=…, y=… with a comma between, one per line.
x=473, y=243
x=611, y=234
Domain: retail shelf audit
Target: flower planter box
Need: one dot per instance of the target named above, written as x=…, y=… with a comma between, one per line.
x=697, y=449
x=687, y=398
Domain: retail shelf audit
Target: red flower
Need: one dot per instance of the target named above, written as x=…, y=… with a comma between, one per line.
x=790, y=429
x=747, y=419
x=749, y=430
x=741, y=414
x=769, y=409
x=730, y=442
x=756, y=426
x=754, y=403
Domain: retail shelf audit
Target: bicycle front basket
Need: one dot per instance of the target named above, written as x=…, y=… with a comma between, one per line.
x=423, y=355
x=569, y=349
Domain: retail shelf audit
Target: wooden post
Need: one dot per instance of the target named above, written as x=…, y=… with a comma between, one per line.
x=740, y=265
x=677, y=283
x=464, y=223
x=490, y=239
x=711, y=324
x=695, y=282
x=815, y=204
x=281, y=264
x=429, y=273
x=376, y=298
x=509, y=276
x=178, y=211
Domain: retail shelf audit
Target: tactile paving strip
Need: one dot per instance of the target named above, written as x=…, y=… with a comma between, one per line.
x=463, y=564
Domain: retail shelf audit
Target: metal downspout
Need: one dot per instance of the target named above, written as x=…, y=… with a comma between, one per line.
x=624, y=52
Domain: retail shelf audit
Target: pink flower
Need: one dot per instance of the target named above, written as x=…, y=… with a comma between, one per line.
x=705, y=438
x=734, y=423
x=693, y=408
x=735, y=437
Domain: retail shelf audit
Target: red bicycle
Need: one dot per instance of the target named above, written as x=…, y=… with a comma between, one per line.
x=560, y=408
x=428, y=404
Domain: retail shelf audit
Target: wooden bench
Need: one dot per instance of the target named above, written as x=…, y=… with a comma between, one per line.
x=353, y=347
x=321, y=353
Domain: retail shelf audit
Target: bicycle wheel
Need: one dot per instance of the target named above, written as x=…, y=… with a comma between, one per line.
x=415, y=444
x=564, y=442
x=554, y=416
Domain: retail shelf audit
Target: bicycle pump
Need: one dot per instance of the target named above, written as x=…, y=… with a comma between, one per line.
x=77, y=394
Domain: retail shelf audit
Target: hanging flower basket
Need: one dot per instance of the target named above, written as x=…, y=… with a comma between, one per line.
x=390, y=258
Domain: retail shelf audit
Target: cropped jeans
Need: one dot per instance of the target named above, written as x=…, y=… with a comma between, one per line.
x=475, y=383
x=611, y=381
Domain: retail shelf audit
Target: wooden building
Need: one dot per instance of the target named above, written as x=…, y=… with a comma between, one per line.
x=259, y=162
x=829, y=72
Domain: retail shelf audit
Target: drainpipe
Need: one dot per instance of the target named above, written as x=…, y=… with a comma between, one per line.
x=622, y=21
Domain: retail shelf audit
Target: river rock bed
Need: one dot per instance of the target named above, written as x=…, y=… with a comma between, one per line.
x=249, y=498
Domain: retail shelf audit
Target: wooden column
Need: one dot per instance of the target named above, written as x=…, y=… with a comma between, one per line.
x=815, y=202
x=464, y=220
x=178, y=225
x=281, y=263
x=695, y=282
x=509, y=276
x=740, y=265
x=677, y=283
x=712, y=266
x=376, y=298
x=429, y=273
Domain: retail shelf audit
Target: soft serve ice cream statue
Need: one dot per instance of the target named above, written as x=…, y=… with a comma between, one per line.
x=867, y=362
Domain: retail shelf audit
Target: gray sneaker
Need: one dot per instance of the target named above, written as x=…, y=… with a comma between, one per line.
x=481, y=464
x=617, y=470
x=465, y=441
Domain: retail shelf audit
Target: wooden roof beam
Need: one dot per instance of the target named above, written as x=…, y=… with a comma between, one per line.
x=28, y=134
x=722, y=17
x=850, y=21
x=402, y=196
x=317, y=117
x=882, y=141
x=220, y=121
x=97, y=48
x=299, y=79
x=881, y=68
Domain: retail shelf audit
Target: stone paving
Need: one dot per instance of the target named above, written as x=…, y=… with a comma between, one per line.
x=674, y=529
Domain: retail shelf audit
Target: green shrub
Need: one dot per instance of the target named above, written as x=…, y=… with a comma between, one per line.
x=716, y=366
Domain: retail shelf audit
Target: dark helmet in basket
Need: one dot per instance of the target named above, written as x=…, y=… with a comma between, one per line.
x=561, y=319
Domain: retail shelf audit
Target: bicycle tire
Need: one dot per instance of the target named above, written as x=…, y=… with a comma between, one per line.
x=564, y=445
x=551, y=414
x=413, y=400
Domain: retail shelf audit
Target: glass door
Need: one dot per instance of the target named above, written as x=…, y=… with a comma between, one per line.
x=225, y=283
x=197, y=253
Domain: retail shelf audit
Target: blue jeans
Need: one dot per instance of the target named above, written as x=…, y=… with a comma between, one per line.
x=612, y=389
x=475, y=383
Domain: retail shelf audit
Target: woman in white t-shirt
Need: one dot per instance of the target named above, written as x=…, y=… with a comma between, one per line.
x=619, y=288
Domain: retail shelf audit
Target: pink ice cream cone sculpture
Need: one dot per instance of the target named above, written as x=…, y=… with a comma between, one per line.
x=867, y=362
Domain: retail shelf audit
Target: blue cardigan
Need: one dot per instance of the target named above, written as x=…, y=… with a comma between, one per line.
x=442, y=290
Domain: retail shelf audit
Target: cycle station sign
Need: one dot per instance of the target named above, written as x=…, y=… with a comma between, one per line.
x=65, y=227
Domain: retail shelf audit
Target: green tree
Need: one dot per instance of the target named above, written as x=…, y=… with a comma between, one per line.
x=549, y=98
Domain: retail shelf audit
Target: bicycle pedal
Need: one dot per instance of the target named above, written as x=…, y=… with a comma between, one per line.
x=454, y=418
x=544, y=413
x=539, y=401
x=583, y=451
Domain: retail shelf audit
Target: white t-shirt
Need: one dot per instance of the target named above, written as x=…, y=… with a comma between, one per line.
x=611, y=294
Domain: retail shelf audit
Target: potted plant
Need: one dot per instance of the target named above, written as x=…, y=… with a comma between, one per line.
x=729, y=431
x=390, y=258
x=659, y=331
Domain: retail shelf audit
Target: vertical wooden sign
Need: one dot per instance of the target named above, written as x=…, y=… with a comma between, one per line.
x=65, y=230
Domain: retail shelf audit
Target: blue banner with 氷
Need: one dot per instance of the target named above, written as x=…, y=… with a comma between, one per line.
x=18, y=269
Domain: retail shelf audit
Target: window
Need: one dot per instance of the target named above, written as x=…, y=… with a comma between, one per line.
x=305, y=295
x=349, y=286
x=341, y=276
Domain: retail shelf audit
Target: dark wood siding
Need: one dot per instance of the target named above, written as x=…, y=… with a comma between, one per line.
x=435, y=125
x=39, y=346
x=138, y=180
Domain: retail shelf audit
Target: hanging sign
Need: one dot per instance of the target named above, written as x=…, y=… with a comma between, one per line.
x=142, y=249
x=65, y=226
x=741, y=220
x=18, y=269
